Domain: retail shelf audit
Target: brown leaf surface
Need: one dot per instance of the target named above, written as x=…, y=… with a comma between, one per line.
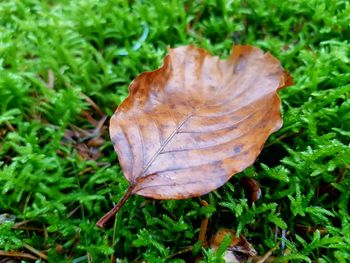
x=190, y=125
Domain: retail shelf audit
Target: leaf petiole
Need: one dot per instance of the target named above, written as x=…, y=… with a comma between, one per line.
x=103, y=220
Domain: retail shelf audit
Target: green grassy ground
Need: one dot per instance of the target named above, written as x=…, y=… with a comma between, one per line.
x=59, y=174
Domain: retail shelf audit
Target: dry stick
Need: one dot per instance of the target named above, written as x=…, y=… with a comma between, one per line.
x=16, y=254
x=19, y=224
x=90, y=135
x=204, y=226
x=93, y=104
x=342, y=173
x=311, y=229
x=268, y=254
x=9, y=126
x=28, y=228
x=50, y=79
x=103, y=220
x=35, y=251
x=182, y=251
x=203, y=230
x=46, y=234
x=113, y=258
x=73, y=211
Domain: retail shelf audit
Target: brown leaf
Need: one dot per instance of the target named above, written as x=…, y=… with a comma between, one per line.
x=190, y=125
x=187, y=127
x=238, y=250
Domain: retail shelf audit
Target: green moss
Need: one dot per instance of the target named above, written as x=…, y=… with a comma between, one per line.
x=96, y=48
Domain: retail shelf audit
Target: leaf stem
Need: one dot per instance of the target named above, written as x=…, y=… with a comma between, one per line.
x=103, y=220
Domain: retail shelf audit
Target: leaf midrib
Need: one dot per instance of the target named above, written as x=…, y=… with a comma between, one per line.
x=165, y=144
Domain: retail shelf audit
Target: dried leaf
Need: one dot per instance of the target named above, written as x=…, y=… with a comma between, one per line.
x=190, y=125
x=238, y=250
x=252, y=189
x=87, y=142
x=4, y=218
x=187, y=127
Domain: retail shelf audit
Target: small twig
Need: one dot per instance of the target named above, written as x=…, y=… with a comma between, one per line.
x=113, y=258
x=89, y=118
x=93, y=104
x=46, y=235
x=96, y=132
x=28, y=228
x=26, y=202
x=100, y=124
x=9, y=126
x=204, y=226
x=50, y=79
x=73, y=211
x=282, y=137
x=80, y=130
x=35, y=251
x=268, y=254
x=203, y=230
x=342, y=173
x=88, y=134
x=310, y=229
x=103, y=220
x=17, y=254
x=182, y=251
x=86, y=170
x=19, y=224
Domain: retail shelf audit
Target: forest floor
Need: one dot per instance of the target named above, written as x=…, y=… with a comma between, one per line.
x=66, y=65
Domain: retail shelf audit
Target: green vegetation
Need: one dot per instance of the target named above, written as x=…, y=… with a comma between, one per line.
x=55, y=54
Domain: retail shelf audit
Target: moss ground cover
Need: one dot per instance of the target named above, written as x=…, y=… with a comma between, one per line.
x=64, y=65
